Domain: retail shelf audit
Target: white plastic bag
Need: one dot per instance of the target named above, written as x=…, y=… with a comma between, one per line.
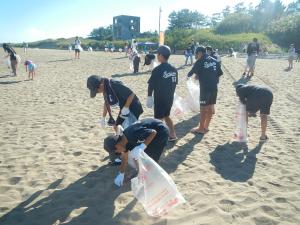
x=240, y=133
x=177, y=108
x=193, y=95
x=154, y=188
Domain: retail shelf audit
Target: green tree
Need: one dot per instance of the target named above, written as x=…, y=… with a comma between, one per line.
x=235, y=23
x=286, y=30
x=240, y=8
x=101, y=33
x=226, y=12
x=186, y=19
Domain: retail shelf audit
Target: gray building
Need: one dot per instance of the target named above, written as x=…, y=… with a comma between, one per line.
x=126, y=27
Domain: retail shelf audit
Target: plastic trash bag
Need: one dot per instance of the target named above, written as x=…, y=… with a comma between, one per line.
x=193, y=95
x=179, y=107
x=154, y=188
x=240, y=133
x=131, y=119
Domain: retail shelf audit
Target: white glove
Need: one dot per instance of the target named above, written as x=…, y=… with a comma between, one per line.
x=136, y=152
x=102, y=122
x=149, y=103
x=119, y=179
x=125, y=111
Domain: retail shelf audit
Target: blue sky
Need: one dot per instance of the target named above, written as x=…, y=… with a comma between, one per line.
x=31, y=20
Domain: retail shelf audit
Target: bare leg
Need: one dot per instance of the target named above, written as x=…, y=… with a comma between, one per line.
x=201, y=127
x=264, y=122
x=209, y=114
x=170, y=124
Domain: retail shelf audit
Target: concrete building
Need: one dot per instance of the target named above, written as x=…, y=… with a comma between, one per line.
x=126, y=27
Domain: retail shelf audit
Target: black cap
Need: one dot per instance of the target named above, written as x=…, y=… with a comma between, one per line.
x=164, y=50
x=93, y=83
x=110, y=143
x=200, y=49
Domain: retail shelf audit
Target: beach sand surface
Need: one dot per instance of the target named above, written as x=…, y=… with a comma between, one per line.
x=53, y=169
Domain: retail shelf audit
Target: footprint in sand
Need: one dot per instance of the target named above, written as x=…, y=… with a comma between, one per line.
x=14, y=180
x=77, y=153
x=226, y=205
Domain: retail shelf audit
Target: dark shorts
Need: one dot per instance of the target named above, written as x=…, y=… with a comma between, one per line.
x=77, y=50
x=262, y=104
x=162, y=109
x=208, y=98
x=156, y=147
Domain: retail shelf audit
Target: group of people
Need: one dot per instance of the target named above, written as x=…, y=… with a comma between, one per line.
x=151, y=135
x=14, y=60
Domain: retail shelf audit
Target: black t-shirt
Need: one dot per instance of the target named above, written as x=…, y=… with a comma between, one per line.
x=254, y=95
x=163, y=81
x=208, y=71
x=253, y=48
x=122, y=92
x=139, y=131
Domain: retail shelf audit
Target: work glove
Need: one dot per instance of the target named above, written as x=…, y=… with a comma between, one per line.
x=136, y=152
x=119, y=179
x=149, y=102
x=102, y=122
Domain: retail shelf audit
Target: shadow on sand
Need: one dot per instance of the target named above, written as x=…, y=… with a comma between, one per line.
x=92, y=197
x=234, y=161
x=60, y=60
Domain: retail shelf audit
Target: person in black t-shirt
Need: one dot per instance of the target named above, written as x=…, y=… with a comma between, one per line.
x=116, y=93
x=12, y=56
x=253, y=49
x=162, y=84
x=149, y=135
x=256, y=98
x=207, y=70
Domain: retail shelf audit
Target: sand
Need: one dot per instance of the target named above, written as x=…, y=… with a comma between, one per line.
x=53, y=169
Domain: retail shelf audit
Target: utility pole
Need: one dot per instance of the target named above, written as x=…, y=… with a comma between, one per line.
x=159, y=21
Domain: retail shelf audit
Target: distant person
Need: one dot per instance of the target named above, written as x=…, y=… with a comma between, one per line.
x=189, y=54
x=115, y=93
x=291, y=52
x=207, y=71
x=231, y=51
x=162, y=85
x=213, y=53
x=126, y=49
x=253, y=49
x=136, y=62
x=70, y=48
x=134, y=45
x=12, y=56
x=148, y=135
x=30, y=67
x=25, y=47
x=193, y=45
x=78, y=48
x=256, y=98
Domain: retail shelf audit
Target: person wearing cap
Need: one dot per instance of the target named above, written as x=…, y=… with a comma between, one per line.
x=12, y=56
x=149, y=135
x=292, y=53
x=116, y=93
x=162, y=85
x=256, y=98
x=253, y=49
x=207, y=71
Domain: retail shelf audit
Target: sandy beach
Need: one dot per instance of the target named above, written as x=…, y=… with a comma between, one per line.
x=53, y=169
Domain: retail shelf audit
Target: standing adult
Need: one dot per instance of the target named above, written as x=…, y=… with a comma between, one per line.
x=12, y=56
x=207, y=71
x=252, y=52
x=25, y=47
x=78, y=48
x=115, y=93
x=292, y=53
x=256, y=98
x=189, y=54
